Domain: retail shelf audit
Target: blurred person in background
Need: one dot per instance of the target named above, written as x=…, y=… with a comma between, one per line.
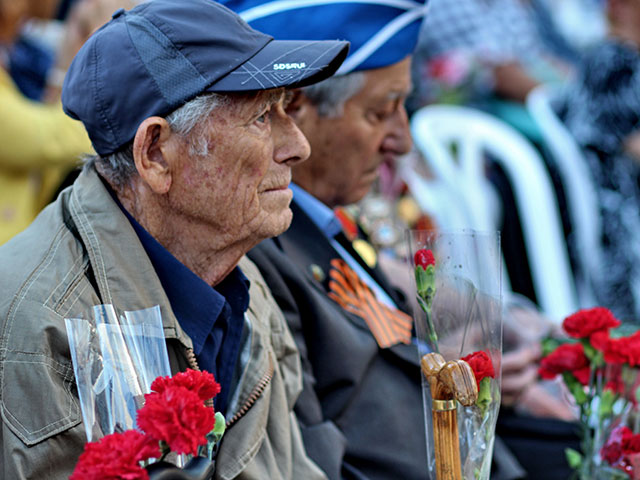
x=39, y=144
x=490, y=54
x=601, y=109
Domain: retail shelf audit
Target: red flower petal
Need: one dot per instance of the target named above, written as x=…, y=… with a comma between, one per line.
x=568, y=357
x=201, y=382
x=177, y=416
x=423, y=258
x=116, y=457
x=584, y=323
x=481, y=364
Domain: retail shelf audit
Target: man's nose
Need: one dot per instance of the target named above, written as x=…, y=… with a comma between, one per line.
x=290, y=144
x=398, y=138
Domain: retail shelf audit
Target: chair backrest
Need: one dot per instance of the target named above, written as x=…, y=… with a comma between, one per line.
x=579, y=186
x=440, y=130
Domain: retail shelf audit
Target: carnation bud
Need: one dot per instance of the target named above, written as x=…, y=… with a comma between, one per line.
x=423, y=258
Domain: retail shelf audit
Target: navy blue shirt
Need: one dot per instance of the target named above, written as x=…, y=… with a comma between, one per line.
x=212, y=317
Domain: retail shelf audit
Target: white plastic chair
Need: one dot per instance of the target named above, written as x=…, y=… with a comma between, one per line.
x=437, y=128
x=579, y=187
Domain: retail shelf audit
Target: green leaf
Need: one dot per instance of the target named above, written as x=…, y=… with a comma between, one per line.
x=426, y=283
x=607, y=398
x=484, y=395
x=575, y=387
x=549, y=344
x=219, y=427
x=574, y=458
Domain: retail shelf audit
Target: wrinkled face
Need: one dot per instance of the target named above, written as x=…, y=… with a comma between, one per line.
x=346, y=151
x=240, y=187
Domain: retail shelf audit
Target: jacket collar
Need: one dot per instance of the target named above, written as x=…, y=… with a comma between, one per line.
x=123, y=273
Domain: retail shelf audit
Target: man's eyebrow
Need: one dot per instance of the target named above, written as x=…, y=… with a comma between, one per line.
x=271, y=98
x=397, y=94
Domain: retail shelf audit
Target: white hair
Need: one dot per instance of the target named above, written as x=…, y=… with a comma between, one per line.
x=119, y=167
x=330, y=95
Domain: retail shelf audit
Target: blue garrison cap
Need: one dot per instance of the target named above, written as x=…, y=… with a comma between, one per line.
x=154, y=58
x=381, y=32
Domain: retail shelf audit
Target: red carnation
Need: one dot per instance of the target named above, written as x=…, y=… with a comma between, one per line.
x=481, y=365
x=584, y=323
x=600, y=339
x=623, y=350
x=612, y=451
x=201, y=383
x=568, y=357
x=631, y=444
x=615, y=385
x=178, y=417
x=583, y=375
x=116, y=457
x=424, y=258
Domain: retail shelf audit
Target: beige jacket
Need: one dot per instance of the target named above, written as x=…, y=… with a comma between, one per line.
x=82, y=251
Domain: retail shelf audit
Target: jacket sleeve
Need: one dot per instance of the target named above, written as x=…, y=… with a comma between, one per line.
x=34, y=134
x=323, y=439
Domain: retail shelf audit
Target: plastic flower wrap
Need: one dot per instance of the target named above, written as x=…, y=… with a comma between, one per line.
x=459, y=335
x=114, y=361
x=599, y=367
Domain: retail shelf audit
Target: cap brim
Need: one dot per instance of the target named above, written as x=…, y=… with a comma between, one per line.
x=285, y=63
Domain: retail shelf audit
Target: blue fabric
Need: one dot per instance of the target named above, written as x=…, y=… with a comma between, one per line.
x=318, y=212
x=397, y=23
x=324, y=218
x=212, y=317
x=29, y=63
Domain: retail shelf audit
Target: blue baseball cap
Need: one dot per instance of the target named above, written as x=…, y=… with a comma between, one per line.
x=381, y=32
x=156, y=57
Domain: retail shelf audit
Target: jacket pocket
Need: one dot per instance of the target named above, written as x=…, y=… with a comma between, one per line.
x=37, y=396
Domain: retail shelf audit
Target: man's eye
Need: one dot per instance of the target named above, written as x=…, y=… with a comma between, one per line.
x=262, y=118
x=377, y=116
x=383, y=115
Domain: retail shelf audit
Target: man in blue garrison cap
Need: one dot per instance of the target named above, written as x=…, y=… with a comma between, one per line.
x=361, y=408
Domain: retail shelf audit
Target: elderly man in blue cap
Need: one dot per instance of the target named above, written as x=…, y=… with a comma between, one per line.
x=185, y=106
x=361, y=408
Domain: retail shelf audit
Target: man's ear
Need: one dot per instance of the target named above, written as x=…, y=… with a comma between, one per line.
x=152, y=148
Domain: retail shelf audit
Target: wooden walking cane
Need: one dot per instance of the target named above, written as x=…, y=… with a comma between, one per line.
x=450, y=382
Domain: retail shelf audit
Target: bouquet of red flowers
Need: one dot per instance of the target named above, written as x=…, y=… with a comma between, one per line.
x=174, y=418
x=599, y=368
x=131, y=405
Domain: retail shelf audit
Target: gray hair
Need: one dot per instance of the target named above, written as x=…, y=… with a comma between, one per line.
x=119, y=167
x=330, y=95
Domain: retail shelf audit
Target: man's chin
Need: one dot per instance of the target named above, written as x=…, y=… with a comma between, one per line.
x=278, y=223
x=356, y=194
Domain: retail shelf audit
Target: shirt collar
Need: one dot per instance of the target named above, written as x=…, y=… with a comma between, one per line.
x=194, y=302
x=321, y=215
